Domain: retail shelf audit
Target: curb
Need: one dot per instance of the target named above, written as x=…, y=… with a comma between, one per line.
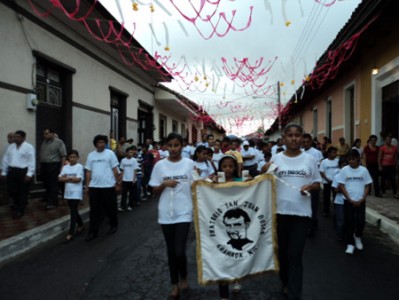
x=29, y=239
x=383, y=223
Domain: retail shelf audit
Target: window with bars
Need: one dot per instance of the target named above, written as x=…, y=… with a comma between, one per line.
x=48, y=85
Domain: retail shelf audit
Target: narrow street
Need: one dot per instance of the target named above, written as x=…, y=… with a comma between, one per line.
x=132, y=265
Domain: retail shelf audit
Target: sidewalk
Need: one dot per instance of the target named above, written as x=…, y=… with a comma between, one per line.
x=38, y=225
x=35, y=227
x=384, y=213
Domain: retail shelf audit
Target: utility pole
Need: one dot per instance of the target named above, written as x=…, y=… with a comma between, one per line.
x=278, y=106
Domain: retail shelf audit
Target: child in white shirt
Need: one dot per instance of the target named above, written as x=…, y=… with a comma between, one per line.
x=339, y=201
x=203, y=167
x=72, y=175
x=354, y=182
x=129, y=168
x=327, y=169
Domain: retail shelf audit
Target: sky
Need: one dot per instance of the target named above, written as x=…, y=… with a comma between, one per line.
x=229, y=55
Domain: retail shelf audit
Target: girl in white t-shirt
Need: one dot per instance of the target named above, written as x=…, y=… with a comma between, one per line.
x=72, y=175
x=299, y=171
x=171, y=178
x=354, y=182
x=201, y=164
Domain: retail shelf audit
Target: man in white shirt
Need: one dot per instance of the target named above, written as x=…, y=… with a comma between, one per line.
x=19, y=164
x=280, y=144
x=250, y=159
x=102, y=182
x=204, y=141
x=318, y=156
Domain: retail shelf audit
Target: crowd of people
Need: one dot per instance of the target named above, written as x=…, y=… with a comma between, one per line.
x=166, y=169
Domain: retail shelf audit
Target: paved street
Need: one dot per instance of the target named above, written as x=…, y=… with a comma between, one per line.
x=132, y=265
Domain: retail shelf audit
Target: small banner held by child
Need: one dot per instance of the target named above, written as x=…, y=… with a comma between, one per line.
x=235, y=229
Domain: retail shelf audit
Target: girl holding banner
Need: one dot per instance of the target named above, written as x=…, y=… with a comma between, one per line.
x=298, y=171
x=172, y=178
x=229, y=166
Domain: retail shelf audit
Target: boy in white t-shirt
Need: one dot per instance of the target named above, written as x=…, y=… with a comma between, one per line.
x=102, y=184
x=354, y=182
x=217, y=153
x=339, y=200
x=327, y=170
x=129, y=168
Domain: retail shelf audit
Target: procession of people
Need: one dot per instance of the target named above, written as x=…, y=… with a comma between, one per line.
x=346, y=175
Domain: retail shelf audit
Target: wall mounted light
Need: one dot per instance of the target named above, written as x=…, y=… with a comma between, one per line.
x=374, y=70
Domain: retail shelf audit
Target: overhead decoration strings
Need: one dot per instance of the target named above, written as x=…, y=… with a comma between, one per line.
x=206, y=13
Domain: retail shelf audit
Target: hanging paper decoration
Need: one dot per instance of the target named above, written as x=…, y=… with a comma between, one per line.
x=242, y=71
x=329, y=69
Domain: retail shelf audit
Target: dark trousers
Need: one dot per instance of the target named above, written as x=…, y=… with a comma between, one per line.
x=49, y=173
x=138, y=188
x=315, y=198
x=340, y=220
x=146, y=180
x=75, y=217
x=102, y=203
x=375, y=175
x=223, y=290
x=176, y=241
x=327, y=197
x=128, y=187
x=388, y=173
x=17, y=188
x=355, y=218
x=291, y=233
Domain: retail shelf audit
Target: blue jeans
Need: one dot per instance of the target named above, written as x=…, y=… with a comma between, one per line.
x=339, y=220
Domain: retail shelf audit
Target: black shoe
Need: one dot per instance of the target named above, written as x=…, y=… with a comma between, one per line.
x=91, y=236
x=112, y=230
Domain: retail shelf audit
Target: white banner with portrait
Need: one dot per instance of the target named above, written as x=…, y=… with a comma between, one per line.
x=235, y=229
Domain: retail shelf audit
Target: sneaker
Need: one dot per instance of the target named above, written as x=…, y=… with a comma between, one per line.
x=129, y=208
x=236, y=287
x=144, y=199
x=350, y=249
x=120, y=209
x=358, y=243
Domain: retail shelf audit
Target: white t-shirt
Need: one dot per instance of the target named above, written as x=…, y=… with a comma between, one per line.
x=163, y=153
x=101, y=165
x=205, y=169
x=249, y=152
x=186, y=151
x=128, y=166
x=328, y=167
x=259, y=156
x=339, y=197
x=297, y=172
x=275, y=147
x=175, y=204
x=317, y=155
x=355, y=181
x=216, y=158
x=73, y=190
